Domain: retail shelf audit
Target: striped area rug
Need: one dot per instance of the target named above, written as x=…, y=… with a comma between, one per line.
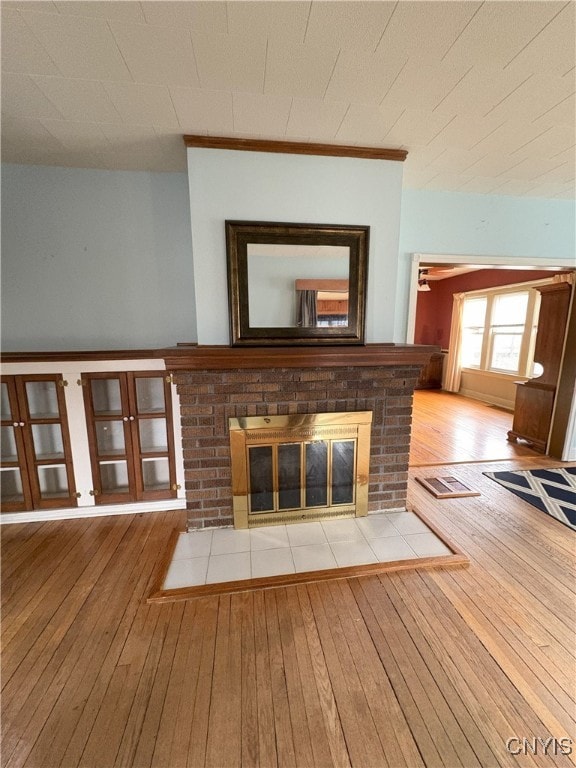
x=551, y=490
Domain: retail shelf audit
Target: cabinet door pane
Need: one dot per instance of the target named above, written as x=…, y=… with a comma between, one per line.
x=110, y=438
x=47, y=441
x=150, y=394
x=156, y=474
x=114, y=476
x=42, y=399
x=153, y=437
x=6, y=410
x=11, y=486
x=53, y=482
x=106, y=397
x=9, y=452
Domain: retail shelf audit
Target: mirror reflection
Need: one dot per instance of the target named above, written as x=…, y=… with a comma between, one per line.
x=296, y=283
x=302, y=286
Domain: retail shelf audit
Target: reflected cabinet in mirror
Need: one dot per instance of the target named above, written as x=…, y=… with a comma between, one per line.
x=296, y=283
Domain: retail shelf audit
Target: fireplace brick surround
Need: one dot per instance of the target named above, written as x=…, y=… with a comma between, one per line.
x=216, y=383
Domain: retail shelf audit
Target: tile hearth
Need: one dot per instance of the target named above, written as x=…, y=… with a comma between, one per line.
x=225, y=554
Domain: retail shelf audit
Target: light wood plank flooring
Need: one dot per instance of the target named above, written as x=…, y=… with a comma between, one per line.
x=451, y=429
x=430, y=668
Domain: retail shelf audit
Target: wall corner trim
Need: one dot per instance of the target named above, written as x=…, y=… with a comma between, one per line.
x=295, y=148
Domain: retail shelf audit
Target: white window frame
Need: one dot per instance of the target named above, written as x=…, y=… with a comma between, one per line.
x=526, y=357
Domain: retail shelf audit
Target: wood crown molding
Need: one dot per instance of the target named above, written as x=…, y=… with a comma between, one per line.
x=295, y=148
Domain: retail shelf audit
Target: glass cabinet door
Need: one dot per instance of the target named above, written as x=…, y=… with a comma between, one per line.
x=47, y=440
x=14, y=482
x=131, y=438
x=153, y=437
x=109, y=432
x=36, y=457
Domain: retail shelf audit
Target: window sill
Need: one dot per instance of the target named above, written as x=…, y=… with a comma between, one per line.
x=496, y=374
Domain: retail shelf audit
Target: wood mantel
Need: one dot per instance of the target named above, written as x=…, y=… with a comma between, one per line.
x=221, y=357
x=208, y=358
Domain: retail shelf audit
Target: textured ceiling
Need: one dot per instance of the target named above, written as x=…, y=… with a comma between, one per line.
x=481, y=94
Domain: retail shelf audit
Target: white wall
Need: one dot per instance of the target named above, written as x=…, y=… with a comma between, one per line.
x=489, y=387
x=95, y=259
x=257, y=186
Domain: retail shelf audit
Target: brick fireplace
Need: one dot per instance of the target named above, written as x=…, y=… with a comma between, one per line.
x=216, y=383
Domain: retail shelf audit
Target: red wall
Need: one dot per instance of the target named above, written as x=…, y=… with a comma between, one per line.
x=434, y=307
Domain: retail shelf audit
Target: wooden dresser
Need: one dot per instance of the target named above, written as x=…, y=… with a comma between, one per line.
x=535, y=397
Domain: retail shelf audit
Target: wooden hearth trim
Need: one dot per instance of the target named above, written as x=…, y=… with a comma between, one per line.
x=295, y=148
x=221, y=358
x=457, y=559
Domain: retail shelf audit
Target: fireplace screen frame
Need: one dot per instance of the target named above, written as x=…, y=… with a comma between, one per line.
x=298, y=429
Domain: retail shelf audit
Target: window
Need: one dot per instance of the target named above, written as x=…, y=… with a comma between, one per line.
x=498, y=330
x=473, y=320
x=507, y=331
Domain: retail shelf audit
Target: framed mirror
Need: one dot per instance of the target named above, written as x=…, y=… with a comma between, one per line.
x=296, y=283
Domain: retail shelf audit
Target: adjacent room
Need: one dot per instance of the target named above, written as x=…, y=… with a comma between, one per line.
x=288, y=383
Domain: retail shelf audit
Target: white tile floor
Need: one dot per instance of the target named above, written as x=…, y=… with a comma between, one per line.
x=225, y=554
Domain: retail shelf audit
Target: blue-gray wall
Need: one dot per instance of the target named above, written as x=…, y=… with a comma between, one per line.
x=103, y=259
x=95, y=259
x=258, y=186
x=454, y=223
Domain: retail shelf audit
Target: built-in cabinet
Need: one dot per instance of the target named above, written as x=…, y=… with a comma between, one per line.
x=431, y=375
x=36, y=471
x=129, y=419
x=88, y=436
x=535, y=398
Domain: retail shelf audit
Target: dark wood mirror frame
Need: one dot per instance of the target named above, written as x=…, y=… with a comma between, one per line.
x=240, y=234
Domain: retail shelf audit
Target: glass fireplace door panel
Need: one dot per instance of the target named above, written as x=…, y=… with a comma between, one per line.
x=343, y=471
x=317, y=474
x=261, y=478
x=290, y=476
x=295, y=467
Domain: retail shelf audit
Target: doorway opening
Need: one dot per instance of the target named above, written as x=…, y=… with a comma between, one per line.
x=484, y=403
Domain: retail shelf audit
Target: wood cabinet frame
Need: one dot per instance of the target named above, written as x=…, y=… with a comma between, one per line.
x=27, y=461
x=133, y=454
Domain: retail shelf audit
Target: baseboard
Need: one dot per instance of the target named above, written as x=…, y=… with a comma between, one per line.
x=489, y=399
x=70, y=513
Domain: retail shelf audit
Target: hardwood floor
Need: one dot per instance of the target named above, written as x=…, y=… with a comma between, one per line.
x=422, y=668
x=449, y=428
